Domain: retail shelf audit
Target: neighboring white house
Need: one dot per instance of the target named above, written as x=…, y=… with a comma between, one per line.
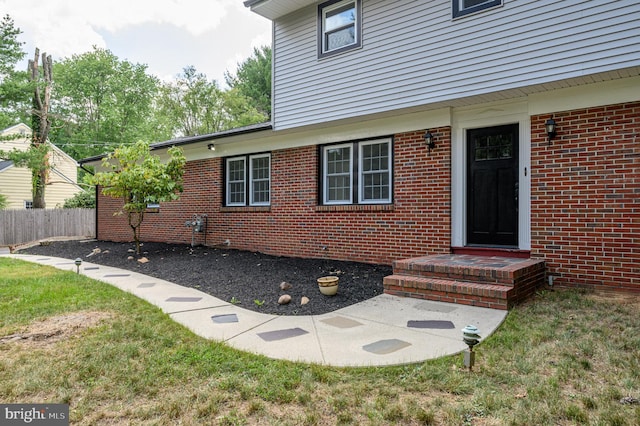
x=15, y=182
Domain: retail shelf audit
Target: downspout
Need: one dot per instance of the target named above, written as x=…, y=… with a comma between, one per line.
x=95, y=188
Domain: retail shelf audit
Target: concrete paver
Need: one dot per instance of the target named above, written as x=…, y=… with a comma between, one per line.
x=384, y=330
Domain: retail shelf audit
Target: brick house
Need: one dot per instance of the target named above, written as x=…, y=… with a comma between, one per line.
x=414, y=134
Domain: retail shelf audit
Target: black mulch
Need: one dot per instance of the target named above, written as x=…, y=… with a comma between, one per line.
x=248, y=278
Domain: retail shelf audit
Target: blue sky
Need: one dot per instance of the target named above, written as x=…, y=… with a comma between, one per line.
x=167, y=35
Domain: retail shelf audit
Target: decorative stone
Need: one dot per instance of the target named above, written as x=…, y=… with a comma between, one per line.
x=131, y=251
x=285, y=285
x=284, y=299
x=304, y=300
x=130, y=258
x=143, y=260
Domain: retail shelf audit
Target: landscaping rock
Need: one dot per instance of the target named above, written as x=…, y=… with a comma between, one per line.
x=284, y=299
x=285, y=285
x=304, y=300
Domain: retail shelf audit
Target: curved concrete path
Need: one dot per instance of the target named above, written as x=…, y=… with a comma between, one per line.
x=384, y=330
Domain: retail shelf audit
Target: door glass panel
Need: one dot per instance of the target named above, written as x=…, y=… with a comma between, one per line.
x=493, y=147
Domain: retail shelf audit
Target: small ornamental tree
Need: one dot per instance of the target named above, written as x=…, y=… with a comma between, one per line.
x=140, y=178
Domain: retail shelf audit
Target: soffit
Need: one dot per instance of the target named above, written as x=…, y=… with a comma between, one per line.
x=274, y=9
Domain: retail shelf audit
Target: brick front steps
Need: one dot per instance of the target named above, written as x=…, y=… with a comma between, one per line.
x=488, y=281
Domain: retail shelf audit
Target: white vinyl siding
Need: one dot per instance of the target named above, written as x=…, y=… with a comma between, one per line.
x=414, y=54
x=236, y=183
x=260, y=178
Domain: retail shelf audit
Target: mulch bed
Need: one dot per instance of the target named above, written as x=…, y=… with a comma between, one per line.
x=250, y=279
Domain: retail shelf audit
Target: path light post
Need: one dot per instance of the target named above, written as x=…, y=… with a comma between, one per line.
x=470, y=336
x=78, y=262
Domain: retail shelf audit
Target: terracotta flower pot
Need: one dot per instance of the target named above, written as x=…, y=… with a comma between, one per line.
x=328, y=285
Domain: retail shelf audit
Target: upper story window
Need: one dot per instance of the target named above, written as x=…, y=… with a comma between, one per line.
x=248, y=180
x=28, y=204
x=466, y=7
x=357, y=173
x=339, y=26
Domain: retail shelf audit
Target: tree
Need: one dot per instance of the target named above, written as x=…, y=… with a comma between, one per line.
x=103, y=102
x=13, y=84
x=197, y=106
x=140, y=178
x=36, y=158
x=41, y=81
x=81, y=200
x=253, y=80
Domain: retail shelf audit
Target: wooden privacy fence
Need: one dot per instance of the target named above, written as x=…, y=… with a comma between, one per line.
x=19, y=226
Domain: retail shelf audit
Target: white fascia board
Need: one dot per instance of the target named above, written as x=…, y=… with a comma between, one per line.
x=586, y=96
x=322, y=134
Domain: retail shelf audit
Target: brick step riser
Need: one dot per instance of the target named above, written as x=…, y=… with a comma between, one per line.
x=489, y=296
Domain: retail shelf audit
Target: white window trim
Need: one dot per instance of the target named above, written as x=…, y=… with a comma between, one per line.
x=361, y=146
x=325, y=177
x=228, y=182
x=252, y=181
x=326, y=7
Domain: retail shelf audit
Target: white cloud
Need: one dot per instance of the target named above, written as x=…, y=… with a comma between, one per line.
x=167, y=35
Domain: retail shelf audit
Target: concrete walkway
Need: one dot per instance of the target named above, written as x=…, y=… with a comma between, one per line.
x=384, y=330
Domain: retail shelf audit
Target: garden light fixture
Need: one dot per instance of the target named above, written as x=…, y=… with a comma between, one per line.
x=471, y=337
x=78, y=262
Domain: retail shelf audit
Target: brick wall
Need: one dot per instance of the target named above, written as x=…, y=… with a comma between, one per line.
x=586, y=197
x=417, y=223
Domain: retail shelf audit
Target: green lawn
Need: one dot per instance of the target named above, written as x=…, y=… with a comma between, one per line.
x=564, y=358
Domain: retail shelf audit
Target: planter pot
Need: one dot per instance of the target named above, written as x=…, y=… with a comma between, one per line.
x=328, y=285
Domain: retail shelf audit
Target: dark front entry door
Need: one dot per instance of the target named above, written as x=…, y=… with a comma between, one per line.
x=492, y=186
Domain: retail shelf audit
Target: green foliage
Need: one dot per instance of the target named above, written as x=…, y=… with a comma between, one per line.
x=253, y=80
x=140, y=178
x=13, y=84
x=3, y=202
x=10, y=48
x=102, y=102
x=33, y=158
x=81, y=200
x=193, y=105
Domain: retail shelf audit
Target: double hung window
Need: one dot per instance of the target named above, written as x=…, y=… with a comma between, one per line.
x=466, y=7
x=339, y=26
x=357, y=173
x=248, y=180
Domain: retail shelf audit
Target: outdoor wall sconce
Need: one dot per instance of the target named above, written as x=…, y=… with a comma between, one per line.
x=429, y=140
x=471, y=337
x=550, y=126
x=211, y=147
x=78, y=262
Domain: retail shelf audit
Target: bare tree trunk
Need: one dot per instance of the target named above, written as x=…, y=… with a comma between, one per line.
x=40, y=123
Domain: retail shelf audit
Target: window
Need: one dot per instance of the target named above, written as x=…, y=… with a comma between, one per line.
x=466, y=7
x=339, y=26
x=28, y=204
x=248, y=175
x=358, y=171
